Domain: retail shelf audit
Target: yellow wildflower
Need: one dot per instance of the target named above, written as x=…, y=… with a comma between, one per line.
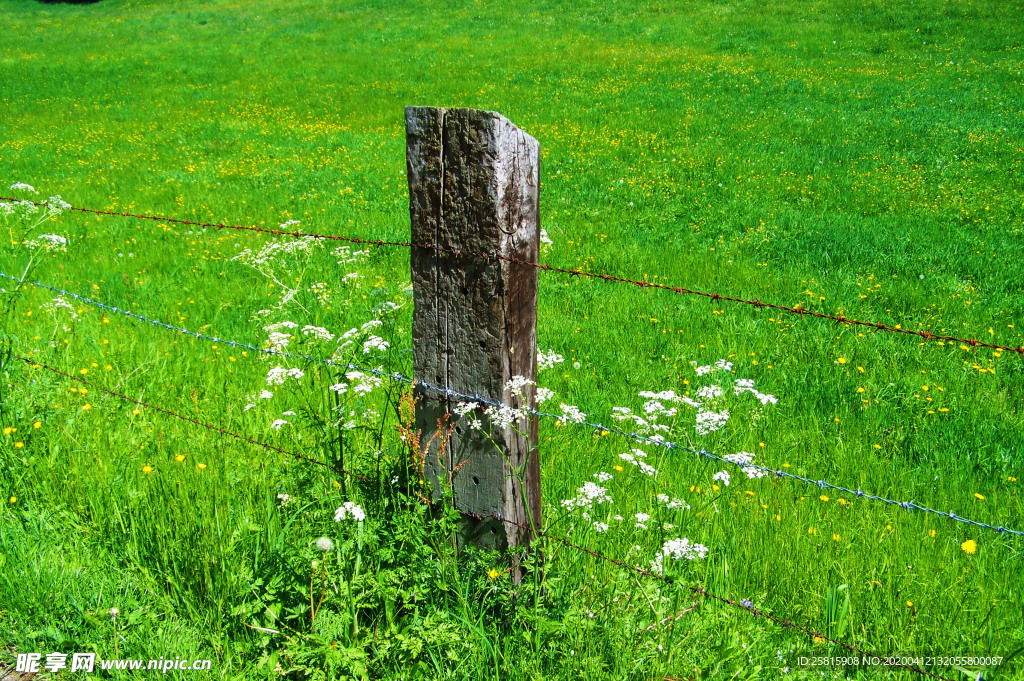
x=970, y=547
x=147, y=469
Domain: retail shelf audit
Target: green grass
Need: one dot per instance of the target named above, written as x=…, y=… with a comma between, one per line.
x=853, y=157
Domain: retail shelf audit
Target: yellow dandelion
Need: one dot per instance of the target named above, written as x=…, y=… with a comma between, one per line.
x=823, y=497
x=604, y=433
x=841, y=360
x=785, y=465
x=836, y=537
x=818, y=639
x=979, y=497
x=201, y=466
x=777, y=517
x=86, y=407
x=714, y=487
x=932, y=533
x=147, y=469
x=889, y=527
x=84, y=372
x=910, y=604
x=179, y=458
x=811, y=530
x=619, y=469
x=37, y=425
x=336, y=484
x=19, y=445
x=970, y=547
x=8, y=431
x=878, y=446
x=492, y=574
x=13, y=499
x=1011, y=479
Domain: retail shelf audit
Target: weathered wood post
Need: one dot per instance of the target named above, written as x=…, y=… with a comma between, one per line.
x=474, y=186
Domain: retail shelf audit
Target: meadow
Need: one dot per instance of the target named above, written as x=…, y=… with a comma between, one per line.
x=861, y=158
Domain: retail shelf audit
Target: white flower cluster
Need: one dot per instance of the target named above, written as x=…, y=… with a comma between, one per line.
x=48, y=242
x=277, y=341
x=588, y=495
x=345, y=254
x=747, y=385
x=571, y=413
x=362, y=383
x=278, y=375
x=744, y=459
x=720, y=365
x=318, y=333
x=723, y=477
x=59, y=303
x=711, y=421
x=678, y=549
x=673, y=503
x=517, y=385
x=22, y=187
x=709, y=392
x=635, y=459
x=349, y=509
x=467, y=410
x=544, y=394
x=548, y=360
x=504, y=416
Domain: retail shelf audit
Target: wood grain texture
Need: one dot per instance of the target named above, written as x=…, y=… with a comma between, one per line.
x=474, y=181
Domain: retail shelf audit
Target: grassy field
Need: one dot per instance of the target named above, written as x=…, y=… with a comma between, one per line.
x=862, y=157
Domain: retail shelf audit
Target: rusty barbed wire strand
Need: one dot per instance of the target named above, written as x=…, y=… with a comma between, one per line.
x=222, y=431
x=481, y=518
x=714, y=296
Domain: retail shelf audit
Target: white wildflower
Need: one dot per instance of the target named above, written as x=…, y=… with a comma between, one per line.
x=603, y=477
x=723, y=476
x=375, y=343
x=517, y=384
x=325, y=544
x=587, y=495
x=271, y=328
x=22, y=187
x=549, y=360
x=571, y=413
x=710, y=421
x=349, y=509
x=277, y=342
x=709, y=392
x=678, y=549
x=544, y=394
x=318, y=332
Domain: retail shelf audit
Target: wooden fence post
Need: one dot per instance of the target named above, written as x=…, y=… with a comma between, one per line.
x=474, y=186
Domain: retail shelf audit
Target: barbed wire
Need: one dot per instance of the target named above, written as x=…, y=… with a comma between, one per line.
x=218, y=429
x=714, y=295
x=483, y=518
x=452, y=394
